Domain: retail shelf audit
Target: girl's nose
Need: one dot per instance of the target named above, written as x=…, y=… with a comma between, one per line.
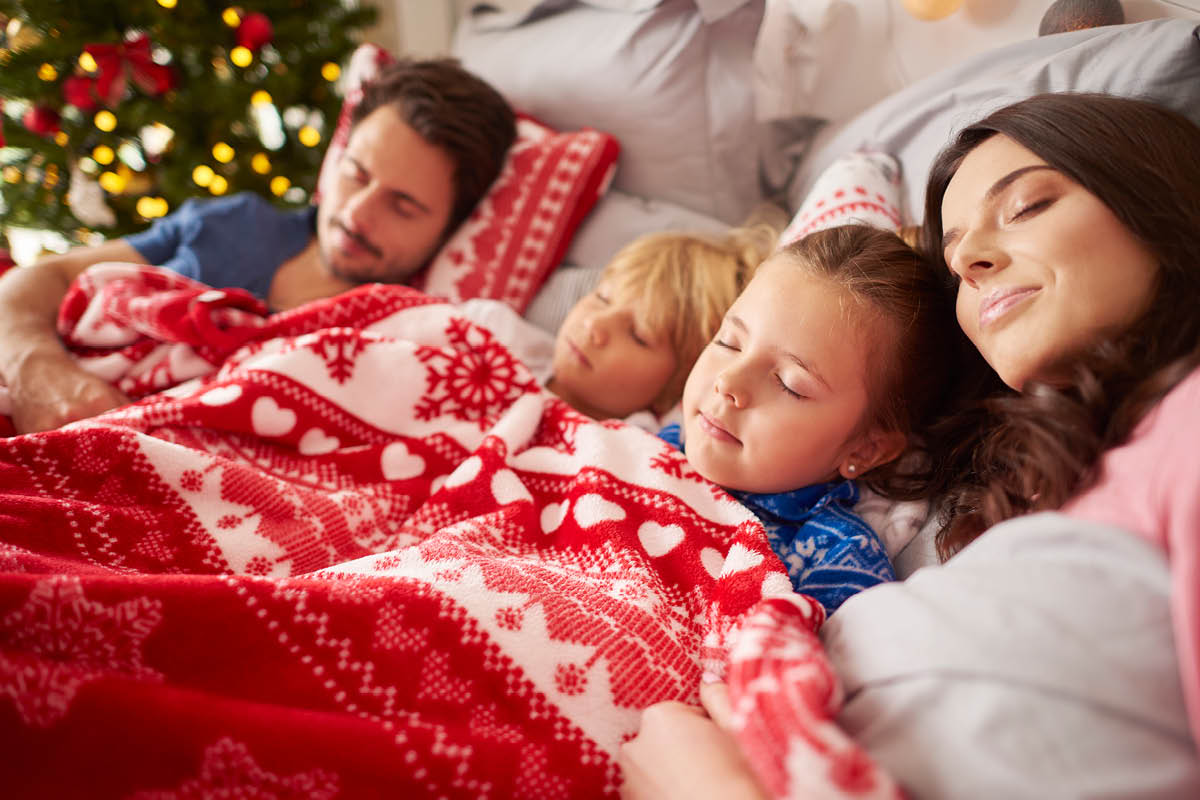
x=731, y=389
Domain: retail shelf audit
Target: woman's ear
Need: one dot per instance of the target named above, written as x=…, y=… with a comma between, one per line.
x=873, y=448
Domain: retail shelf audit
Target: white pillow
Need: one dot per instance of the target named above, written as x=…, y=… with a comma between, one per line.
x=670, y=79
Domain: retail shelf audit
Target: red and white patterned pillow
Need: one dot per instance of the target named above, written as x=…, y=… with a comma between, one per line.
x=521, y=228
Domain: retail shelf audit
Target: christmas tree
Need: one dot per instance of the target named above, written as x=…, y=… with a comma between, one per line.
x=116, y=111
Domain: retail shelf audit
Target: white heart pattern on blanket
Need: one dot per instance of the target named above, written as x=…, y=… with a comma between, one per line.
x=465, y=473
x=712, y=560
x=269, y=419
x=221, y=396
x=507, y=488
x=777, y=585
x=659, y=539
x=398, y=464
x=592, y=509
x=315, y=442
x=553, y=514
x=739, y=559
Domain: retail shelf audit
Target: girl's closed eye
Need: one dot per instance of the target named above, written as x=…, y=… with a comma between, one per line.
x=783, y=385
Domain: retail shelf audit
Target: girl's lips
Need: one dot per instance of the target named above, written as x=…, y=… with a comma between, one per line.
x=710, y=426
x=999, y=302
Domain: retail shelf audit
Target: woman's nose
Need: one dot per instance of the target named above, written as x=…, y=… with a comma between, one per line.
x=976, y=255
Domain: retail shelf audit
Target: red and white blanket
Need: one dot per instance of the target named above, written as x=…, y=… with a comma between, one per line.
x=353, y=550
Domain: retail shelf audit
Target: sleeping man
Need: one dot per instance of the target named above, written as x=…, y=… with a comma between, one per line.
x=426, y=142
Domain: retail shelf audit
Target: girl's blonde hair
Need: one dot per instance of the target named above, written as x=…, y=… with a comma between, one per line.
x=685, y=283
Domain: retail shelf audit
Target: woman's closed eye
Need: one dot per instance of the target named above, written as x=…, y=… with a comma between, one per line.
x=1030, y=209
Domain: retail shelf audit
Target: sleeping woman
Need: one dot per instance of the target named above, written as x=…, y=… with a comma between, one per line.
x=1056, y=655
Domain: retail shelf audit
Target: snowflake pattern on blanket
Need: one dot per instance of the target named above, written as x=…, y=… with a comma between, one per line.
x=353, y=550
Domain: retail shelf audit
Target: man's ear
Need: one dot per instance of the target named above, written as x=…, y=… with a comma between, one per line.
x=873, y=448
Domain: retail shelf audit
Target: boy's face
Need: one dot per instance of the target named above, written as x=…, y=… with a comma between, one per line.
x=606, y=362
x=775, y=401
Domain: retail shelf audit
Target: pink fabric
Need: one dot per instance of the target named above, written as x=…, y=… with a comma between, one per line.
x=520, y=230
x=1151, y=486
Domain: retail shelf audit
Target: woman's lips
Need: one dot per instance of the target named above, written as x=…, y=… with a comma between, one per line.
x=713, y=429
x=998, y=302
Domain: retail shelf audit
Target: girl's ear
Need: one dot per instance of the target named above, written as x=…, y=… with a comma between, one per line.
x=873, y=448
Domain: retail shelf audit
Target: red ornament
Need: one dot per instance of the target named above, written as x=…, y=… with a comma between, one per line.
x=255, y=31
x=115, y=63
x=42, y=121
x=77, y=90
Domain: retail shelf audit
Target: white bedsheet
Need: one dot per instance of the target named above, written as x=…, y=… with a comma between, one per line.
x=1037, y=663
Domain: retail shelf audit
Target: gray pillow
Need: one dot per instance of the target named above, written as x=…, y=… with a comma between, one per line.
x=671, y=79
x=1158, y=60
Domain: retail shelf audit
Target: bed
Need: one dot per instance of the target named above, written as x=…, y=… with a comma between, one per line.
x=353, y=550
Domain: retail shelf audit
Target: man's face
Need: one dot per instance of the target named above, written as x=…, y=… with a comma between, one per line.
x=383, y=215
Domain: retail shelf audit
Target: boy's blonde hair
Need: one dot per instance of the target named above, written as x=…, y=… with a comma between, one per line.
x=683, y=283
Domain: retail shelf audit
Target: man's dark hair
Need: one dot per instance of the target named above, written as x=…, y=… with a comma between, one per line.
x=453, y=109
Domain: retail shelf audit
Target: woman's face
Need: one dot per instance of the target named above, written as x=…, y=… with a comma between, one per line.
x=1044, y=268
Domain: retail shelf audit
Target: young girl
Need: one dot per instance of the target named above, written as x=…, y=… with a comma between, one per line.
x=821, y=371
x=624, y=350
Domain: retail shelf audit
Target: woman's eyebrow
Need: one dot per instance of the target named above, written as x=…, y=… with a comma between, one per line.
x=949, y=237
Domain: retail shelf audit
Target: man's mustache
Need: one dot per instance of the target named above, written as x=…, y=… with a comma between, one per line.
x=361, y=240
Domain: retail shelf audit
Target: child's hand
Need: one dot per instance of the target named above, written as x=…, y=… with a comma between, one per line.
x=682, y=752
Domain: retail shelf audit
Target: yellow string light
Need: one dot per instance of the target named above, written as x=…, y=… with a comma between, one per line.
x=260, y=98
x=231, y=17
x=223, y=152
x=241, y=56
x=61, y=138
x=12, y=174
x=103, y=154
x=330, y=71
x=260, y=163
x=166, y=4
x=202, y=175
x=105, y=120
x=112, y=183
x=47, y=72
x=309, y=136
x=151, y=207
x=87, y=63
x=218, y=185
x=279, y=185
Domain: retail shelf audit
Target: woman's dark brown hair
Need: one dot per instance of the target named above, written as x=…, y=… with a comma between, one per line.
x=453, y=109
x=1003, y=454
x=895, y=286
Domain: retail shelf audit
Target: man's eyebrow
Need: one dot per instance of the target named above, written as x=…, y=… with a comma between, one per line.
x=737, y=322
x=949, y=237
x=396, y=193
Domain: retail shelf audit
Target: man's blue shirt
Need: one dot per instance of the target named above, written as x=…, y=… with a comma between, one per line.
x=238, y=241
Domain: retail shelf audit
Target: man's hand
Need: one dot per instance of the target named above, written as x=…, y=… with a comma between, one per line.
x=682, y=752
x=51, y=391
x=47, y=387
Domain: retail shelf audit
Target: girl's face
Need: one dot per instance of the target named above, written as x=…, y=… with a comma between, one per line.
x=776, y=401
x=607, y=363
x=1045, y=269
